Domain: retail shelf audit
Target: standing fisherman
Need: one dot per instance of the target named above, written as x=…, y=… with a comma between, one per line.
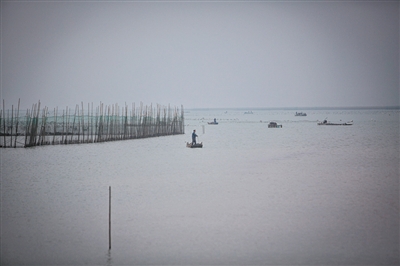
x=194, y=137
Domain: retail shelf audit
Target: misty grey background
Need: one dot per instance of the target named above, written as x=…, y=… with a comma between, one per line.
x=200, y=53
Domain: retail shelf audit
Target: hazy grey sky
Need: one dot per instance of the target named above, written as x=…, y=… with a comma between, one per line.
x=201, y=54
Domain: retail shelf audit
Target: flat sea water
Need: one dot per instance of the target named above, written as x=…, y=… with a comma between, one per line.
x=300, y=194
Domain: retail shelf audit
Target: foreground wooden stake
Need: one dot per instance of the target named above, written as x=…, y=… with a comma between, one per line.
x=109, y=219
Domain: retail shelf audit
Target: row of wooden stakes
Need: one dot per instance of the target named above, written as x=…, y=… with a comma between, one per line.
x=95, y=124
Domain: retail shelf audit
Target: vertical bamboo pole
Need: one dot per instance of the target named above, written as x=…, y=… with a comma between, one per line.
x=29, y=129
x=83, y=123
x=117, y=124
x=111, y=119
x=123, y=116
x=29, y=114
x=55, y=124
x=115, y=131
x=1, y=120
x=134, y=120
x=183, y=120
x=88, y=123
x=40, y=140
x=42, y=126
x=7, y=125
x=73, y=126
x=68, y=124
x=91, y=124
x=45, y=110
x=112, y=124
x=4, y=126
x=96, y=124
x=101, y=122
x=99, y=126
x=79, y=124
x=31, y=124
x=42, y=137
x=108, y=123
x=96, y=132
x=63, y=130
x=116, y=117
x=36, y=125
x=27, y=122
x=45, y=124
x=34, y=131
x=12, y=120
x=109, y=218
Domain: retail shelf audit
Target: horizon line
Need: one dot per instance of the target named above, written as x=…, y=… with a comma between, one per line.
x=295, y=108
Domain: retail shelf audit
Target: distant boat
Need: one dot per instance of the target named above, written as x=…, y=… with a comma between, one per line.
x=248, y=113
x=197, y=145
x=300, y=114
x=326, y=123
x=274, y=125
x=214, y=122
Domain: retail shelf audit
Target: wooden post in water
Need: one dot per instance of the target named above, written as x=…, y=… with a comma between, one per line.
x=12, y=116
x=109, y=219
x=55, y=124
x=16, y=126
x=1, y=117
x=4, y=125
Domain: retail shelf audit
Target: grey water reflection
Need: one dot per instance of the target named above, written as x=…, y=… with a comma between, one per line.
x=301, y=194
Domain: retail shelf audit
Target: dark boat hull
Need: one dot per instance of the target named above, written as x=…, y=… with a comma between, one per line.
x=197, y=145
x=334, y=124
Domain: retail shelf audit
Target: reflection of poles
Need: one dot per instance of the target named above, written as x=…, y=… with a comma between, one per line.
x=109, y=219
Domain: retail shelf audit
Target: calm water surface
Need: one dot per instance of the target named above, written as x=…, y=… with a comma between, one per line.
x=301, y=194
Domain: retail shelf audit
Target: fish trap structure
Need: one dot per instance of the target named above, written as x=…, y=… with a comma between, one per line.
x=103, y=123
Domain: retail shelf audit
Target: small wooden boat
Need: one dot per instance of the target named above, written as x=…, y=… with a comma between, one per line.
x=213, y=122
x=197, y=145
x=274, y=125
x=326, y=123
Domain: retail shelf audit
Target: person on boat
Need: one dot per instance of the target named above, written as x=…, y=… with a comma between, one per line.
x=194, y=137
x=215, y=120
